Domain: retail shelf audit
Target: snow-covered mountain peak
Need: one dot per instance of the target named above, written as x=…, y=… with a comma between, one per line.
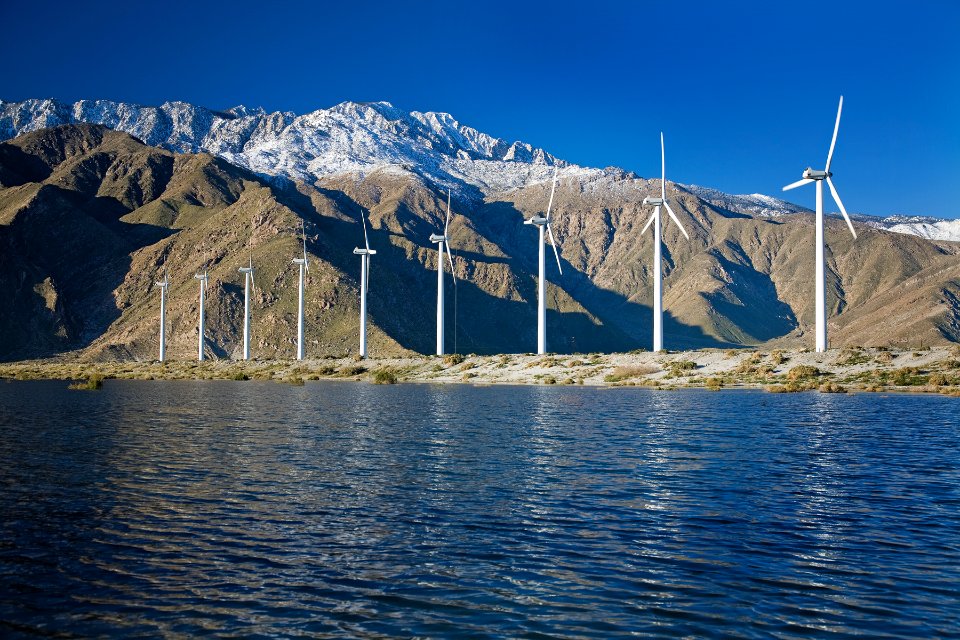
x=360, y=137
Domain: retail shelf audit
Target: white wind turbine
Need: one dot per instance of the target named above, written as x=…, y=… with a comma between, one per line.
x=657, y=246
x=247, y=286
x=203, y=290
x=443, y=242
x=543, y=222
x=811, y=175
x=364, y=254
x=304, y=268
x=163, y=284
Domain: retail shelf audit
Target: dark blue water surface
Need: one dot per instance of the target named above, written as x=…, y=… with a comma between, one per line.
x=332, y=510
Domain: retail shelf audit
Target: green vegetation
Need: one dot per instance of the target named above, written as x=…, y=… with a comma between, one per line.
x=625, y=373
x=94, y=382
x=386, y=375
x=453, y=359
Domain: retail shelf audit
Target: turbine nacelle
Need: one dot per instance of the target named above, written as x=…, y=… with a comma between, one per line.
x=813, y=174
x=437, y=238
x=538, y=221
x=364, y=252
x=294, y=261
x=654, y=202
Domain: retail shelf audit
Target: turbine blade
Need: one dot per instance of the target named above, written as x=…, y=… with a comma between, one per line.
x=798, y=183
x=836, y=196
x=663, y=170
x=553, y=188
x=446, y=224
x=833, y=142
x=450, y=256
x=553, y=243
x=363, y=220
x=306, y=265
x=676, y=219
x=653, y=216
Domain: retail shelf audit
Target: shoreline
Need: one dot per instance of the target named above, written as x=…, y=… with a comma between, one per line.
x=875, y=369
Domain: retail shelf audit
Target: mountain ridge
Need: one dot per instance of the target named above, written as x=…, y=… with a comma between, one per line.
x=358, y=137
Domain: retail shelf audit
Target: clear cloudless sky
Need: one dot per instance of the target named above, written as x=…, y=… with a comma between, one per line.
x=745, y=92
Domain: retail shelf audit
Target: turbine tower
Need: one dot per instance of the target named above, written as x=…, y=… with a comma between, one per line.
x=811, y=175
x=163, y=284
x=443, y=242
x=543, y=222
x=247, y=285
x=304, y=267
x=364, y=254
x=203, y=290
x=657, y=244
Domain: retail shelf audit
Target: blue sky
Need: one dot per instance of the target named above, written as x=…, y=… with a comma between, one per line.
x=745, y=92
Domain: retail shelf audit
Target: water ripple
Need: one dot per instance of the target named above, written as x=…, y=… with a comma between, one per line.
x=332, y=510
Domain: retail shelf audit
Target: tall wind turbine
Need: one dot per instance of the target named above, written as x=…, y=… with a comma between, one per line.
x=657, y=244
x=163, y=284
x=442, y=242
x=364, y=254
x=247, y=285
x=203, y=290
x=543, y=222
x=304, y=268
x=811, y=175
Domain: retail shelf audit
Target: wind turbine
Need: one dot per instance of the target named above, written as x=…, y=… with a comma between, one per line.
x=247, y=285
x=543, y=222
x=364, y=254
x=163, y=284
x=304, y=267
x=811, y=175
x=442, y=242
x=203, y=290
x=657, y=245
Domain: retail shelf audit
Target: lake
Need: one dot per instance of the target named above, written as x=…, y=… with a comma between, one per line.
x=355, y=510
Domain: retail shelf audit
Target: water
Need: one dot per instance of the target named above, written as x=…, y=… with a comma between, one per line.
x=332, y=510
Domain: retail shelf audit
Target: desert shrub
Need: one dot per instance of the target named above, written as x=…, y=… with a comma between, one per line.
x=884, y=357
x=778, y=357
x=624, y=373
x=906, y=377
x=803, y=371
x=713, y=384
x=575, y=363
x=327, y=370
x=386, y=375
x=549, y=380
x=94, y=382
x=468, y=376
x=683, y=365
x=453, y=359
x=832, y=387
x=239, y=375
x=730, y=353
x=938, y=380
x=352, y=370
x=468, y=365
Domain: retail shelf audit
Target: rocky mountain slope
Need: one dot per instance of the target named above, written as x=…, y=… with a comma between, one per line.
x=361, y=137
x=90, y=217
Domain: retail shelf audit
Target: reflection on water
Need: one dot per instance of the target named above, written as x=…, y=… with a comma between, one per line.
x=182, y=508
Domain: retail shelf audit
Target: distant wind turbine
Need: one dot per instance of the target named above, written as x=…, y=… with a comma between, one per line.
x=203, y=290
x=543, y=222
x=247, y=286
x=163, y=284
x=304, y=268
x=657, y=246
x=811, y=175
x=443, y=242
x=364, y=254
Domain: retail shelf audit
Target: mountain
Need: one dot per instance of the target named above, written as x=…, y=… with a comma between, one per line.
x=360, y=137
x=90, y=218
